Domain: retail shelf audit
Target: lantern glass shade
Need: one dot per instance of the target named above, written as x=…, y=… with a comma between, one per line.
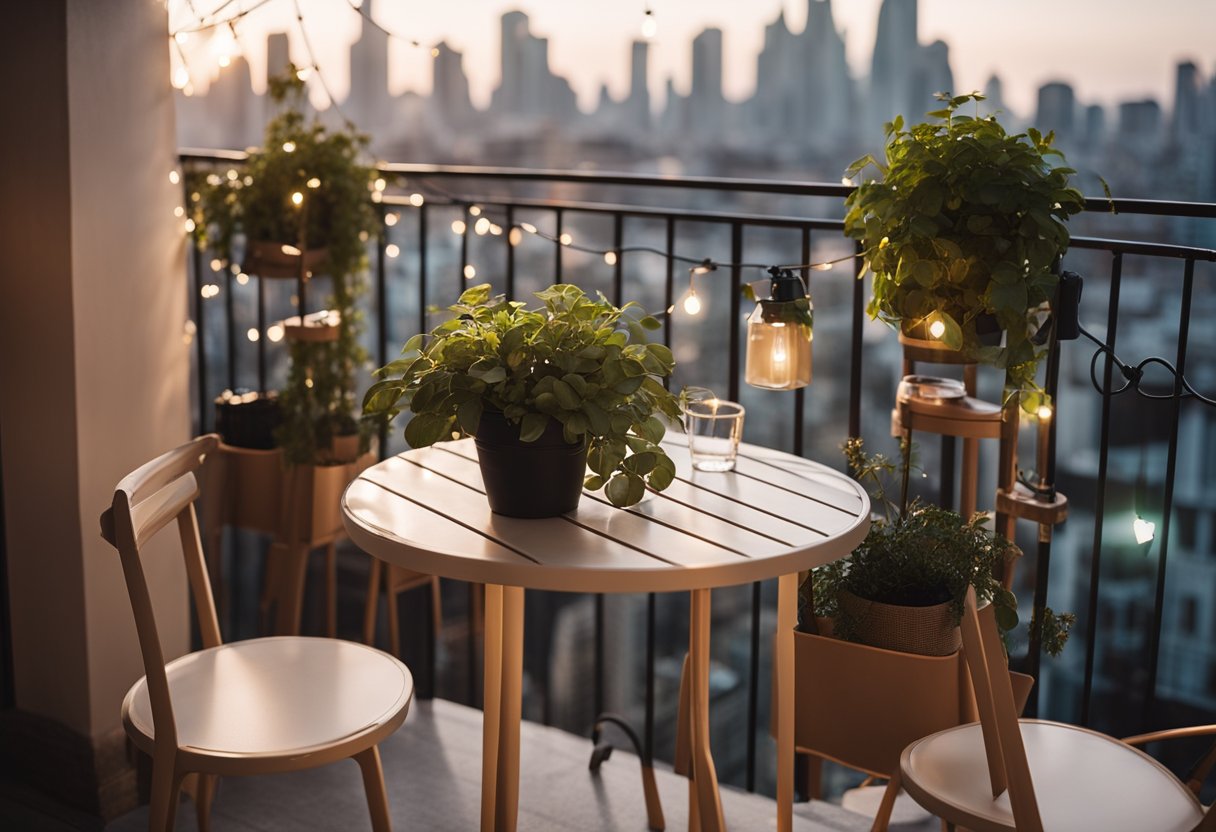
x=778, y=351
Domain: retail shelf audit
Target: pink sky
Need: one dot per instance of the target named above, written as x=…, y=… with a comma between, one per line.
x=1110, y=50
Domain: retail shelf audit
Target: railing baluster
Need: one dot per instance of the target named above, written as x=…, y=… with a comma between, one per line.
x=800, y=393
x=736, y=257
x=510, y=287
x=859, y=303
x=753, y=687
x=1167, y=510
x=1091, y=635
x=648, y=722
x=230, y=317
x=669, y=296
x=261, y=290
x=557, y=248
x=382, y=335
x=464, y=253
x=422, y=242
x=618, y=234
x=200, y=332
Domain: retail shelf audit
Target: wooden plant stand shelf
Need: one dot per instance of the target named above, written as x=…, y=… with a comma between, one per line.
x=1020, y=502
x=967, y=417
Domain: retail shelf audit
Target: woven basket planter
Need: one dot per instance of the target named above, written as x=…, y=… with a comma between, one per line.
x=924, y=631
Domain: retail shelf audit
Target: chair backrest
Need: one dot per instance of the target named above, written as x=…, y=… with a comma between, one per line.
x=1003, y=746
x=145, y=501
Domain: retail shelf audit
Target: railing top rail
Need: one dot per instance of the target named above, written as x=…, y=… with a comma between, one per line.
x=1156, y=207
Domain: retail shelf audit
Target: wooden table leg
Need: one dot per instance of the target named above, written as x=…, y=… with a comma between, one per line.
x=783, y=664
x=509, y=709
x=491, y=707
x=705, y=778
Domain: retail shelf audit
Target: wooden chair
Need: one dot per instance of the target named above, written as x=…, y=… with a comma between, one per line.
x=979, y=776
x=253, y=707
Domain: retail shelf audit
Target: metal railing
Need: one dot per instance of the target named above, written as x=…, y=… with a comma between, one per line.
x=512, y=194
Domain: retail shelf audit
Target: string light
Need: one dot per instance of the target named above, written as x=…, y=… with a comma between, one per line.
x=566, y=239
x=179, y=212
x=515, y=236
x=390, y=219
x=481, y=226
x=650, y=26
x=188, y=225
x=274, y=333
x=313, y=183
x=1044, y=412
x=289, y=147
x=1144, y=530
x=380, y=184
x=692, y=304
x=610, y=258
x=417, y=200
x=253, y=334
x=242, y=278
x=469, y=272
x=181, y=78
x=937, y=328
x=475, y=210
x=458, y=227
x=174, y=177
x=216, y=264
x=297, y=198
x=391, y=250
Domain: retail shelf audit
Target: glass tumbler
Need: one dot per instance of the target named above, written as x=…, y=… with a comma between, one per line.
x=714, y=429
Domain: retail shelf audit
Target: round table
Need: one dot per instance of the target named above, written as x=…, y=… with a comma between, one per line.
x=774, y=516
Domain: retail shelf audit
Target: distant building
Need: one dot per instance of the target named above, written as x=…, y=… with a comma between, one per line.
x=638, y=103
x=892, y=87
x=1094, y=127
x=1057, y=109
x=1188, y=118
x=450, y=87
x=994, y=99
x=368, y=102
x=528, y=89
x=706, y=103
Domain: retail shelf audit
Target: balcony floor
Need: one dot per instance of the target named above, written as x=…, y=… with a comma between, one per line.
x=433, y=770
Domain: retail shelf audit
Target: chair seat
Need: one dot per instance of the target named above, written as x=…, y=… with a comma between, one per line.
x=1082, y=780
x=277, y=697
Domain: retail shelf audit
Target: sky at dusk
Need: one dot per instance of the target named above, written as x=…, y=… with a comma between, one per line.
x=1110, y=50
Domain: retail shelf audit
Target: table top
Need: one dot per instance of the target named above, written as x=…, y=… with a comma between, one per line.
x=775, y=514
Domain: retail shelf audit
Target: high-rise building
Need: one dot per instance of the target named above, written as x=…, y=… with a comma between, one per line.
x=1094, y=129
x=892, y=86
x=528, y=88
x=638, y=103
x=705, y=100
x=1057, y=106
x=826, y=111
x=994, y=99
x=368, y=103
x=450, y=87
x=1187, y=119
x=931, y=75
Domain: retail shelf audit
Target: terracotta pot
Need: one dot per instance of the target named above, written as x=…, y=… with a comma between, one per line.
x=529, y=479
x=923, y=631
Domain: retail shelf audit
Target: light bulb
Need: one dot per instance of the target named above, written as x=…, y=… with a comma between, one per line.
x=174, y=177
x=650, y=26
x=189, y=225
x=1044, y=412
x=937, y=329
x=515, y=236
x=469, y=272
x=303, y=72
x=391, y=250
x=417, y=200
x=610, y=258
x=242, y=278
x=390, y=219
x=380, y=184
x=180, y=37
x=297, y=198
x=481, y=226
x=181, y=77
x=314, y=182
x=289, y=250
x=565, y=239
x=1145, y=530
x=458, y=227
x=289, y=147
x=475, y=210
x=179, y=212
x=692, y=304
x=253, y=334
x=529, y=227
x=275, y=332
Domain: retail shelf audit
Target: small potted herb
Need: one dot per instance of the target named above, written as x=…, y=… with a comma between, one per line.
x=903, y=588
x=962, y=229
x=548, y=393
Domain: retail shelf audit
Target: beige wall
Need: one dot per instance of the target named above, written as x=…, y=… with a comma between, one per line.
x=92, y=358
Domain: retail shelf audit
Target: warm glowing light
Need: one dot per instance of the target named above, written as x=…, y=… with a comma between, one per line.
x=650, y=26
x=253, y=334
x=469, y=272
x=475, y=210
x=822, y=267
x=692, y=304
x=1145, y=530
x=297, y=198
x=377, y=196
x=700, y=270
x=390, y=219
x=610, y=258
x=188, y=225
x=274, y=332
x=565, y=239
x=515, y=236
x=380, y=184
x=188, y=90
x=181, y=77
x=179, y=212
x=232, y=174
x=1044, y=412
x=308, y=383
x=938, y=328
x=481, y=226
x=290, y=250
x=458, y=227
x=529, y=227
x=180, y=37
x=391, y=250
x=174, y=177
x=213, y=179
x=313, y=183
x=248, y=180
x=434, y=52
x=303, y=72
x=289, y=147
x=363, y=238
x=495, y=230
x=417, y=200
x=216, y=264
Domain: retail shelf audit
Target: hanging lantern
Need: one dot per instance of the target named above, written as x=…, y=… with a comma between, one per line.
x=779, y=335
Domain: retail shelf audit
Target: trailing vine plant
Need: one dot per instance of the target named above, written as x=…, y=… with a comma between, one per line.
x=308, y=187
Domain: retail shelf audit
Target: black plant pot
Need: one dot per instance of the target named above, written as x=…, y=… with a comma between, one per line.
x=987, y=331
x=529, y=479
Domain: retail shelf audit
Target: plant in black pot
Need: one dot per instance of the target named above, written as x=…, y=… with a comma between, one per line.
x=962, y=229
x=298, y=208
x=548, y=393
x=903, y=588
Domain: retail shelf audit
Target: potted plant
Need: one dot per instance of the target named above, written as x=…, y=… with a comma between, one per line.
x=548, y=393
x=296, y=208
x=962, y=229
x=903, y=588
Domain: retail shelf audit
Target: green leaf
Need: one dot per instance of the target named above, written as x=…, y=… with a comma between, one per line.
x=425, y=429
x=566, y=397
x=952, y=337
x=468, y=415
x=383, y=395
x=593, y=482
x=532, y=426
x=624, y=489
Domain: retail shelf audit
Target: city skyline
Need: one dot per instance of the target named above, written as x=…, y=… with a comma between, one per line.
x=1106, y=64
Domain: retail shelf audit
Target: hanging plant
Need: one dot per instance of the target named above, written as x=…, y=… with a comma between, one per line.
x=306, y=188
x=962, y=229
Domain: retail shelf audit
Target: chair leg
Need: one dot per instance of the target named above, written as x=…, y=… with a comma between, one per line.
x=331, y=589
x=166, y=784
x=372, y=604
x=373, y=784
x=436, y=609
x=201, y=788
x=883, y=819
